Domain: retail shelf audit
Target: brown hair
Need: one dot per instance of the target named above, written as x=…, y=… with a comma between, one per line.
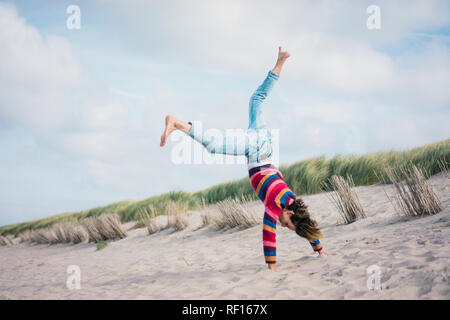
x=304, y=226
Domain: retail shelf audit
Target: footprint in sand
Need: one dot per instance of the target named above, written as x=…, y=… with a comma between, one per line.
x=415, y=267
x=338, y=273
x=421, y=242
x=429, y=257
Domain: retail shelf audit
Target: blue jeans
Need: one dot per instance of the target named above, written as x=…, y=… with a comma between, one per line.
x=255, y=143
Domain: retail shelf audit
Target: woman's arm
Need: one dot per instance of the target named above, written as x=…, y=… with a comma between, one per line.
x=317, y=247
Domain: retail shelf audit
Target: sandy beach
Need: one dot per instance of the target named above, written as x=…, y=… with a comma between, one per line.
x=412, y=255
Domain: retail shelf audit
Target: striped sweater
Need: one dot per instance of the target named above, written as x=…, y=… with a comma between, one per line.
x=269, y=185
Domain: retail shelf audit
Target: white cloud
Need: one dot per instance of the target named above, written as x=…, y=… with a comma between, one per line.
x=341, y=65
x=423, y=75
x=105, y=117
x=36, y=73
x=331, y=46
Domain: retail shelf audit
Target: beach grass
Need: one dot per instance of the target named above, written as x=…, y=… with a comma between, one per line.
x=303, y=177
x=101, y=244
x=414, y=196
x=342, y=194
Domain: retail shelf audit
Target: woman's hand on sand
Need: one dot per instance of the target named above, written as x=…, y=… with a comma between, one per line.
x=323, y=253
x=272, y=266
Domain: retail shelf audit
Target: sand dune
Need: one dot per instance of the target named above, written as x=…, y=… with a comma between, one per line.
x=412, y=255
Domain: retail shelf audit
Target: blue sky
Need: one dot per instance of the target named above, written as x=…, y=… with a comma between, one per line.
x=81, y=111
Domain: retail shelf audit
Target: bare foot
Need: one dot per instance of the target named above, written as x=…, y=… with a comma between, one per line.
x=282, y=54
x=170, y=127
x=282, y=57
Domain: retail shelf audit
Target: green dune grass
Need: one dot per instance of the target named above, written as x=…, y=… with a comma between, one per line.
x=304, y=177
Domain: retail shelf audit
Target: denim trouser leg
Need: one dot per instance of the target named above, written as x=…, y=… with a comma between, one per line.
x=261, y=149
x=256, y=120
x=253, y=143
x=215, y=142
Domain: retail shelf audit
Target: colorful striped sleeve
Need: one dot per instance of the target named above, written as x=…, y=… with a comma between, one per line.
x=275, y=198
x=269, y=238
x=316, y=245
x=269, y=186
